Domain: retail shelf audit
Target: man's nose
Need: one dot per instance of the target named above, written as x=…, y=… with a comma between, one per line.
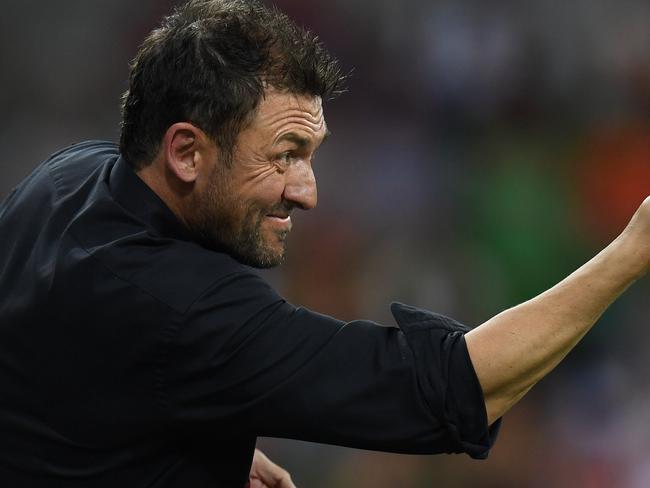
x=300, y=185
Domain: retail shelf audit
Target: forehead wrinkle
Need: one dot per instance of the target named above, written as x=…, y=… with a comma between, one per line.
x=283, y=130
x=314, y=113
x=278, y=108
x=293, y=115
x=298, y=121
x=278, y=115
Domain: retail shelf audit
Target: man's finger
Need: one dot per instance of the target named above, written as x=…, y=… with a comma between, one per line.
x=270, y=473
x=257, y=483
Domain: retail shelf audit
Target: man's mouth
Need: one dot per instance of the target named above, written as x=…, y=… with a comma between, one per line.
x=281, y=220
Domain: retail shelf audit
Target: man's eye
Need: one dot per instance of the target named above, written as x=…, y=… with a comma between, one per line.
x=285, y=157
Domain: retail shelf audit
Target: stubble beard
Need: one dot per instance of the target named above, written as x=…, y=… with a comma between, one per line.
x=217, y=225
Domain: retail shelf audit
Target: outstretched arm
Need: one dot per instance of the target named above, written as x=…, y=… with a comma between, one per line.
x=515, y=349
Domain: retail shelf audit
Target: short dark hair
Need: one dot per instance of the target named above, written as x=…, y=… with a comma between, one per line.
x=208, y=64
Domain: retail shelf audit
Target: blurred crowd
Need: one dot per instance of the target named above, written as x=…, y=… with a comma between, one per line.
x=484, y=151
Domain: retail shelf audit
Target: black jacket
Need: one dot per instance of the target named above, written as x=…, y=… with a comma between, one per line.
x=132, y=356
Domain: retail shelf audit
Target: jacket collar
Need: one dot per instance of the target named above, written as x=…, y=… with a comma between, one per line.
x=141, y=201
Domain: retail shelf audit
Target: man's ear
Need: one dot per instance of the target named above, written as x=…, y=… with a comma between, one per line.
x=186, y=150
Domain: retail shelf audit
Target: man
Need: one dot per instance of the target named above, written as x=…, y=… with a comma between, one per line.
x=137, y=348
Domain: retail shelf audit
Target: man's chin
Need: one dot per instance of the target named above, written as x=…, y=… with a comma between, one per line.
x=263, y=256
x=265, y=261
x=258, y=250
x=271, y=256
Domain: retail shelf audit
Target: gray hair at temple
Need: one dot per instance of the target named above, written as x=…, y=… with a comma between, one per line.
x=209, y=63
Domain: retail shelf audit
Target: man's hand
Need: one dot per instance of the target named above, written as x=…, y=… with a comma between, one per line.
x=267, y=474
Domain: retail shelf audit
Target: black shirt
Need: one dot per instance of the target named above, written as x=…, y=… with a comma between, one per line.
x=132, y=356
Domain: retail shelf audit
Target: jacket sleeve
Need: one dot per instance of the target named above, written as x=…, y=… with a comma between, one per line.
x=244, y=362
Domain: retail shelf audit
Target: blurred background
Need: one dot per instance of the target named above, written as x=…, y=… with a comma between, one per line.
x=483, y=152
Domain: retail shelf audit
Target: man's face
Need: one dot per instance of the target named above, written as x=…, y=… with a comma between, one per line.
x=246, y=208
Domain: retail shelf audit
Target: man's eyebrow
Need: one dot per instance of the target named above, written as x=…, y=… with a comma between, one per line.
x=295, y=138
x=299, y=140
